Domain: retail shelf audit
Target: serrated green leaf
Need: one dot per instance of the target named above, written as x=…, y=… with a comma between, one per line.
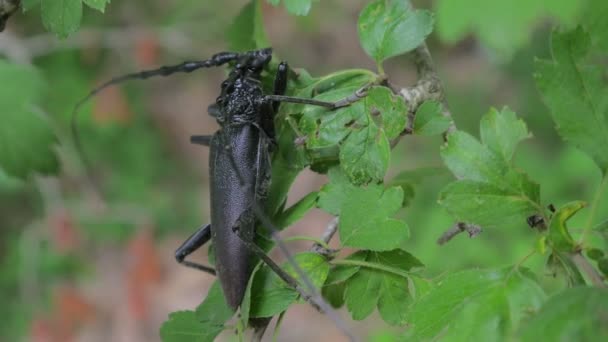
x=61, y=17
x=502, y=131
x=390, y=28
x=576, y=94
x=269, y=293
x=430, y=120
x=559, y=236
x=490, y=191
x=99, y=5
x=184, y=326
x=247, y=30
x=504, y=25
x=26, y=139
x=576, y=314
x=361, y=130
x=370, y=287
x=295, y=7
x=482, y=203
x=474, y=305
x=365, y=213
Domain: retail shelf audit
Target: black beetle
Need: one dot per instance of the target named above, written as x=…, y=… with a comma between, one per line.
x=240, y=155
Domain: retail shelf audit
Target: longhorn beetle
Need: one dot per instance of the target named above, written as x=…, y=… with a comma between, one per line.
x=239, y=163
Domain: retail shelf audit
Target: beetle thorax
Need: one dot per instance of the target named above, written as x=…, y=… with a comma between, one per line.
x=240, y=101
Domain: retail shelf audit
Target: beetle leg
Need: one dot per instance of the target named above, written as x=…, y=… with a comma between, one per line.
x=356, y=96
x=280, y=83
x=194, y=242
x=286, y=277
x=204, y=140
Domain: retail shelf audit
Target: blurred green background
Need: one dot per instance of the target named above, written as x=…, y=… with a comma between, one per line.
x=91, y=259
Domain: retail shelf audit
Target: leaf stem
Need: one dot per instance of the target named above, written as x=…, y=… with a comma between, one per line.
x=583, y=264
x=594, y=208
x=360, y=263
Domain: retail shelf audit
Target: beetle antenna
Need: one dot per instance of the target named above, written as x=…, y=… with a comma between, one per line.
x=185, y=67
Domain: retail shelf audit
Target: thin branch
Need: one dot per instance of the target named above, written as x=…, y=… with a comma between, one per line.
x=430, y=87
x=583, y=264
x=328, y=234
x=458, y=228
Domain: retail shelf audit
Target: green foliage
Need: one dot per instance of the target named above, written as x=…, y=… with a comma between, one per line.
x=269, y=293
x=26, y=139
x=504, y=25
x=430, y=120
x=362, y=131
x=63, y=17
x=489, y=187
x=578, y=313
x=362, y=208
x=381, y=282
x=479, y=305
x=185, y=326
x=247, y=29
x=353, y=146
x=391, y=28
x=576, y=94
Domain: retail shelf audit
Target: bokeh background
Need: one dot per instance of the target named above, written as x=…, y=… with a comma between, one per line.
x=84, y=260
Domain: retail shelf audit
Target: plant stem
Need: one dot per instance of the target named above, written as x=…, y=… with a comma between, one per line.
x=371, y=265
x=583, y=264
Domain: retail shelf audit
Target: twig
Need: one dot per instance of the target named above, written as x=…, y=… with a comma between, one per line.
x=458, y=228
x=328, y=234
x=583, y=264
x=428, y=87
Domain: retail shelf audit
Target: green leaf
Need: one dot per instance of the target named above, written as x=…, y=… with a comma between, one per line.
x=184, y=326
x=61, y=17
x=26, y=139
x=247, y=30
x=502, y=131
x=430, y=119
x=474, y=305
x=362, y=130
x=576, y=94
x=504, y=25
x=269, y=293
x=576, y=314
x=365, y=213
x=214, y=311
x=99, y=5
x=490, y=192
x=559, y=236
x=295, y=7
x=391, y=28
x=371, y=287
x=297, y=211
